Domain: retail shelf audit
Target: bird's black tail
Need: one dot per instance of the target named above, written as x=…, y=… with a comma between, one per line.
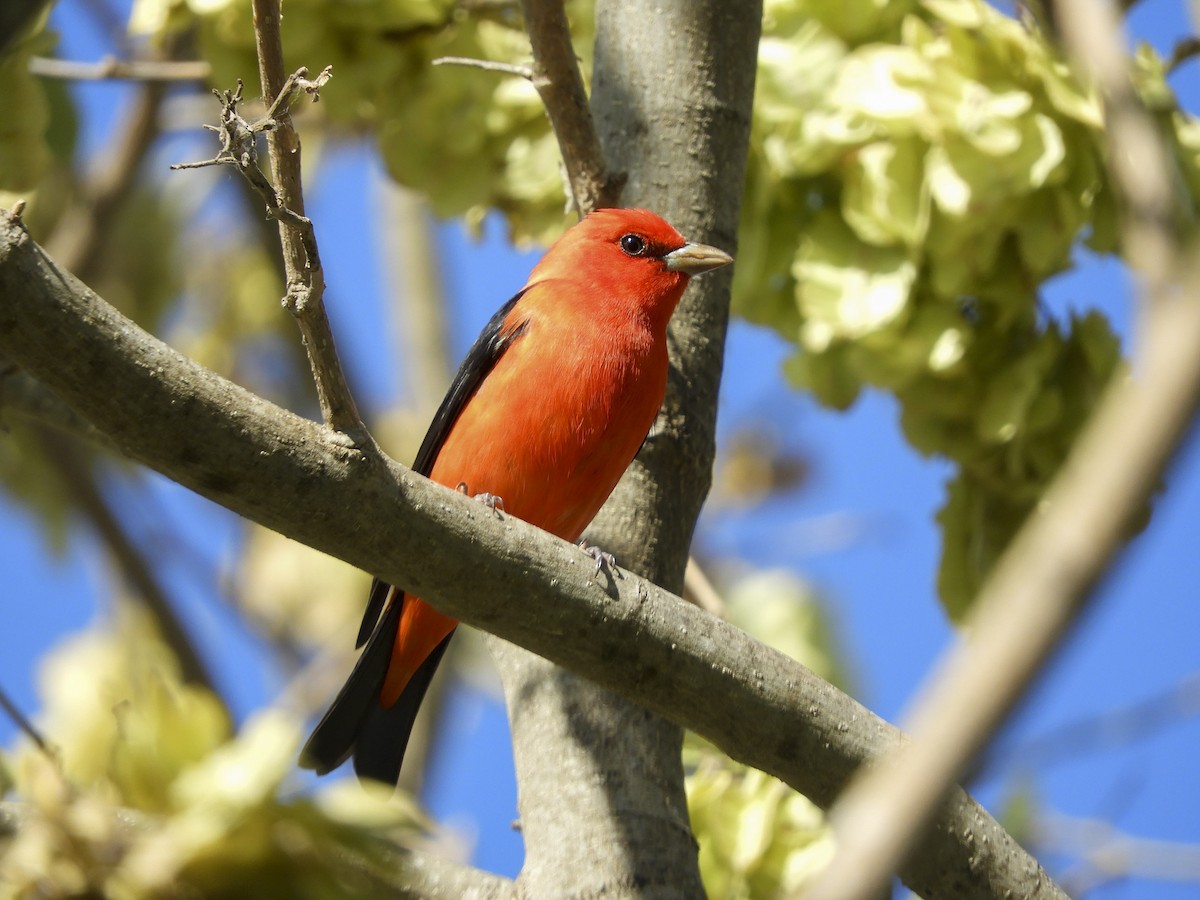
x=358, y=724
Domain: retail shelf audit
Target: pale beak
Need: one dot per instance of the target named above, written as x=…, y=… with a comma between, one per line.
x=693, y=259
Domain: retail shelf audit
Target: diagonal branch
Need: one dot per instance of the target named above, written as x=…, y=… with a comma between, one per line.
x=80, y=237
x=127, y=69
x=1045, y=580
x=22, y=722
x=628, y=635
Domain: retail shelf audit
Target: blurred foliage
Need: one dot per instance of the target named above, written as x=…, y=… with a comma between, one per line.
x=143, y=285
x=758, y=837
x=753, y=466
x=149, y=793
x=24, y=127
x=919, y=169
x=296, y=596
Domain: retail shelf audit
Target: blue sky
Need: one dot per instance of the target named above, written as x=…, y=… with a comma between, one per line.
x=1141, y=637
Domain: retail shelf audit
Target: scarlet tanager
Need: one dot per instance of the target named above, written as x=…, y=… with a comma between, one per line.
x=550, y=406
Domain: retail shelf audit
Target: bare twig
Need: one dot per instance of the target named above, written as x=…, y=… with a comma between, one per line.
x=306, y=281
x=1185, y=50
x=1042, y=584
x=112, y=68
x=80, y=237
x=239, y=149
x=1108, y=854
x=487, y=65
x=302, y=263
x=1119, y=727
x=560, y=85
x=23, y=723
x=1137, y=160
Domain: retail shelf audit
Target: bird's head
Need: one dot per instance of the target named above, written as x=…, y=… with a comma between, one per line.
x=631, y=258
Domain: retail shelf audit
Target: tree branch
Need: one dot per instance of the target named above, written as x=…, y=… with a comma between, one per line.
x=1042, y=584
x=559, y=83
x=1120, y=726
x=659, y=72
x=1109, y=855
x=628, y=635
x=426, y=876
x=80, y=237
x=305, y=279
x=112, y=68
x=486, y=65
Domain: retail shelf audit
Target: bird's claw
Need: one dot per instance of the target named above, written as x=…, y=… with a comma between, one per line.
x=603, y=560
x=494, y=502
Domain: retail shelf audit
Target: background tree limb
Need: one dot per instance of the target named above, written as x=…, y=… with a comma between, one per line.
x=1041, y=586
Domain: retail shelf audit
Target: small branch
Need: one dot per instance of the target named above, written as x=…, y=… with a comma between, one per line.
x=487, y=65
x=306, y=282
x=24, y=724
x=110, y=68
x=1119, y=727
x=560, y=85
x=1042, y=584
x=80, y=238
x=1110, y=855
x=1138, y=163
x=419, y=303
x=302, y=263
x=428, y=876
x=239, y=149
x=1183, y=51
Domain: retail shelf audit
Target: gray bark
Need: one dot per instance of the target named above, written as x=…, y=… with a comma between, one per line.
x=602, y=800
x=312, y=485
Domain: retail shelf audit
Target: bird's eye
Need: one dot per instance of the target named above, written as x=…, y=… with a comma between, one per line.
x=633, y=244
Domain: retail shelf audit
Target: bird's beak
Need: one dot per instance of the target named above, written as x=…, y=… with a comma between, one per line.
x=692, y=259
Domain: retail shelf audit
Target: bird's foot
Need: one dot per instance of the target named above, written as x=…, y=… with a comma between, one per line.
x=603, y=560
x=492, y=501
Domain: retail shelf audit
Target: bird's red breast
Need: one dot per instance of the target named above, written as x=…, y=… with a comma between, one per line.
x=550, y=407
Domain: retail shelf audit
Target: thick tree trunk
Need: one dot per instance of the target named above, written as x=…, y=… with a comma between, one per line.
x=602, y=804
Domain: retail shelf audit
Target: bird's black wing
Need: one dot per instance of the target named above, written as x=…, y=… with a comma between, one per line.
x=480, y=360
x=356, y=724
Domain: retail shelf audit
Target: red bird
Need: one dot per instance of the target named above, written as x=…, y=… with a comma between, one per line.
x=550, y=406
